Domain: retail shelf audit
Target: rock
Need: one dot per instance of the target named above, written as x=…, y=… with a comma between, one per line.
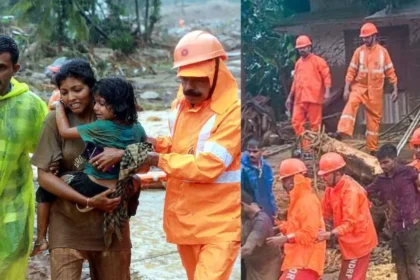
x=229, y=43
x=153, y=119
x=149, y=95
x=236, y=63
x=236, y=71
x=38, y=76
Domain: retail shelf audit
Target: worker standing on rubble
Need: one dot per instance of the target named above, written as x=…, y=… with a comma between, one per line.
x=311, y=86
x=415, y=146
x=397, y=187
x=369, y=67
x=346, y=202
x=304, y=258
x=201, y=158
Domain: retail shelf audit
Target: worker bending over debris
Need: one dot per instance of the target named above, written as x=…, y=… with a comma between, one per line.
x=304, y=258
x=346, y=202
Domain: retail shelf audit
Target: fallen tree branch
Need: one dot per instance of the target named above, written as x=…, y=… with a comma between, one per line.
x=360, y=165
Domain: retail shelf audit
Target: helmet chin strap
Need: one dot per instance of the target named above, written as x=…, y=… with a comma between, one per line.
x=216, y=75
x=334, y=181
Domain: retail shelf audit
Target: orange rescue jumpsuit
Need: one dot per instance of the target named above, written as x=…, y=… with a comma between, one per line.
x=312, y=76
x=347, y=204
x=202, y=161
x=366, y=73
x=304, y=219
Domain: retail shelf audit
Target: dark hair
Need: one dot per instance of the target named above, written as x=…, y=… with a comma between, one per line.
x=76, y=68
x=254, y=143
x=8, y=45
x=119, y=96
x=387, y=151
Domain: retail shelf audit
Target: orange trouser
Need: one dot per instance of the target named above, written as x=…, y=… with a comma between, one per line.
x=299, y=274
x=354, y=269
x=372, y=100
x=306, y=112
x=209, y=261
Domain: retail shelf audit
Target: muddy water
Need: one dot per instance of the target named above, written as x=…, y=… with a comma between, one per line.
x=152, y=257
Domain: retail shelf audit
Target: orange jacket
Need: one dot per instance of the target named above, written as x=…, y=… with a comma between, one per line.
x=348, y=205
x=369, y=67
x=202, y=163
x=312, y=76
x=304, y=219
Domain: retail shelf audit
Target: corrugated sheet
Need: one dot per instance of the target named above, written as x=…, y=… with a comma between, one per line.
x=392, y=112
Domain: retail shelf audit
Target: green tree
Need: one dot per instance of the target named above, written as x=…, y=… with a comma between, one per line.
x=268, y=57
x=56, y=20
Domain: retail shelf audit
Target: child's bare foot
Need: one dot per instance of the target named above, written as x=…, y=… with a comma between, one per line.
x=39, y=246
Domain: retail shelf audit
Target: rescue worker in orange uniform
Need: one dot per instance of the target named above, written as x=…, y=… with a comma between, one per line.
x=304, y=258
x=415, y=146
x=369, y=67
x=347, y=204
x=311, y=86
x=202, y=212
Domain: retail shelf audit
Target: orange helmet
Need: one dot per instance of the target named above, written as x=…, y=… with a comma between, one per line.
x=197, y=46
x=290, y=167
x=303, y=41
x=415, y=139
x=330, y=162
x=368, y=29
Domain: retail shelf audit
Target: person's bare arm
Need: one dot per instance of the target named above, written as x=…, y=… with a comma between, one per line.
x=106, y=159
x=63, y=125
x=59, y=188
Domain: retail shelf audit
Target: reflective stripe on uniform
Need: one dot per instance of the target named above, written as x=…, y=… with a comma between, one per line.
x=349, y=117
x=172, y=119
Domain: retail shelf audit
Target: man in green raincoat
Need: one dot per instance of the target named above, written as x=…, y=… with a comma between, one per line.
x=21, y=116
